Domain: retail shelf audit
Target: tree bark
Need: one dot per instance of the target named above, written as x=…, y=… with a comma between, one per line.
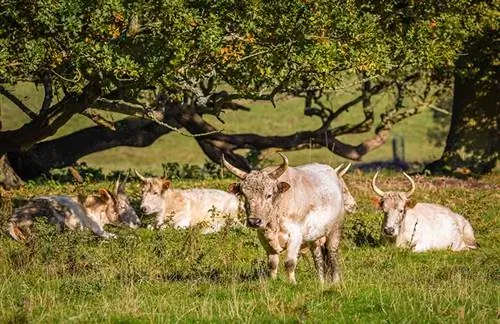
x=473, y=141
x=8, y=177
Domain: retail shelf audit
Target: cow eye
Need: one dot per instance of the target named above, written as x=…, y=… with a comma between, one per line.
x=268, y=196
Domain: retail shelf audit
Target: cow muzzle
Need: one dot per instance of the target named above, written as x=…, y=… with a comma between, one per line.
x=254, y=222
x=134, y=225
x=389, y=231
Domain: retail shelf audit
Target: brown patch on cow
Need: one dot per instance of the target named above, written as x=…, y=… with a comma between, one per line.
x=176, y=202
x=166, y=184
x=411, y=203
x=283, y=187
x=105, y=195
x=376, y=202
x=16, y=232
x=234, y=188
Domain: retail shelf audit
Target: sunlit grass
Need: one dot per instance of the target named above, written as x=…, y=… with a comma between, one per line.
x=182, y=276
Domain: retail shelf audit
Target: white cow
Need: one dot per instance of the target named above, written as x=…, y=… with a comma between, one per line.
x=422, y=226
x=183, y=208
x=303, y=204
x=92, y=212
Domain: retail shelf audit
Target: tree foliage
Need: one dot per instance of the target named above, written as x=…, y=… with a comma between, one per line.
x=104, y=54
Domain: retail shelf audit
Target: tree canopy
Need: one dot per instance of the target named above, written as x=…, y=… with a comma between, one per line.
x=200, y=57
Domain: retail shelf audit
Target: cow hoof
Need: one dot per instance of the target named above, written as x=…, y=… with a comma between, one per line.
x=110, y=236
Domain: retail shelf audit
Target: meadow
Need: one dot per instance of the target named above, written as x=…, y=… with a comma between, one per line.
x=182, y=276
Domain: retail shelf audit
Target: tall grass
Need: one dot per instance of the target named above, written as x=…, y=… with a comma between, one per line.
x=183, y=276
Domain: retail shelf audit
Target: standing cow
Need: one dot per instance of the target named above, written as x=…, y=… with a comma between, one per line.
x=304, y=204
x=350, y=204
x=92, y=212
x=188, y=207
x=278, y=240
x=422, y=226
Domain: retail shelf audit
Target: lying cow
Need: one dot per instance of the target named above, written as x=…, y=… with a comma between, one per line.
x=92, y=212
x=183, y=208
x=304, y=204
x=422, y=226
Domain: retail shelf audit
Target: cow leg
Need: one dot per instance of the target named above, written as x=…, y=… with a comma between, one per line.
x=293, y=250
x=318, y=259
x=96, y=228
x=272, y=255
x=272, y=262
x=331, y=254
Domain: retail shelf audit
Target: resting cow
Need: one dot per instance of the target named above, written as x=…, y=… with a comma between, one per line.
x=92, y=212
x=422, y=226
x=304, y=204
x=183, y=208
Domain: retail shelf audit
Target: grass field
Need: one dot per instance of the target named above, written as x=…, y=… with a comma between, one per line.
x=262, y=119
x=181, y=276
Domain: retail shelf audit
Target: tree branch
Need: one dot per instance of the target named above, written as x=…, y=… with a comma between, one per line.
x=67, y=150
x=47, y=99
x=7, y=94
x=47, y=123
x=120, y=106
x=98, y=119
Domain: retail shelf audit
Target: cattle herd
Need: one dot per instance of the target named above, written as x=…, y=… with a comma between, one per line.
x=292, y=208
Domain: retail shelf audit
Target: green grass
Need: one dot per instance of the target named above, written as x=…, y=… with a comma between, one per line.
x=263, y=119
x=182, y=276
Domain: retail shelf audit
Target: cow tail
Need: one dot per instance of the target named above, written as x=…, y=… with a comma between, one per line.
x=22, y=217
x=15, y=231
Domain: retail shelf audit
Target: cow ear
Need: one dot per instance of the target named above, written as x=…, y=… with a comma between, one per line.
x=105, y=195
x=165, y=184
x=283, y=186
x=234, y=188
x=411, y=203
x=376, y=202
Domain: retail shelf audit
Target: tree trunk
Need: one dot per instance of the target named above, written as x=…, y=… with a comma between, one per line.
x=8, y=177
x=473, y=140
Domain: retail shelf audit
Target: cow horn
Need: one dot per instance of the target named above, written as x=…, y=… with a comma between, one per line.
x=117, y=184
x=377, y=190
x=409, y=193
x=139, y=175
x=338, y=168
x=281, y=169
x=121, y=187
x=126, y=177
x=341, y=174
x=234, y=170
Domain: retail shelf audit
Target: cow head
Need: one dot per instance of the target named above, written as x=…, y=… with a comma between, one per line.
x=261, y=190
x=394, y=205
x=112, y=207
x=127, y=213
x=152, y=193
x=102, y=206
x=350, y=204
